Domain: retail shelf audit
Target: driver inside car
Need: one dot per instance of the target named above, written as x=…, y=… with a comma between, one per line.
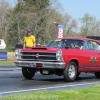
x=59, y=44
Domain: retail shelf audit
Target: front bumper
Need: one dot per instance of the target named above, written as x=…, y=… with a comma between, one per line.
x=32, y=64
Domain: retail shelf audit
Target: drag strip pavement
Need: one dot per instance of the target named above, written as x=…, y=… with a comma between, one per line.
x=12, y=81
x=62, y=87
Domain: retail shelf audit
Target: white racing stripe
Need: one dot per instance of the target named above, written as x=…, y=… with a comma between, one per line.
x=54, y=87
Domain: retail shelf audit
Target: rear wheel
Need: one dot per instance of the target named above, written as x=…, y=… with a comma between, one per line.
x=28, y=73
x=70, y=72
x=97, y=74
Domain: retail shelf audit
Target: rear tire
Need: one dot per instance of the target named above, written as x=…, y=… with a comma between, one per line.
x=28, y=73
x=70, y=72
x=97, y=74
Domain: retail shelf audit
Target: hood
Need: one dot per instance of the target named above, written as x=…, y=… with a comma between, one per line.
x=40, y=49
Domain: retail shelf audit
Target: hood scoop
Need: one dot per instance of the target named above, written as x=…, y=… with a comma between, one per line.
x=42, y=48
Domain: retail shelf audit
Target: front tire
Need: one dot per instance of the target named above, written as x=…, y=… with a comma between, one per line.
x=70, y=72
x=97, y=74
x=28, y=73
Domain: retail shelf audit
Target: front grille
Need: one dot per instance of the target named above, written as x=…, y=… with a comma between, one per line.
x=38, y=56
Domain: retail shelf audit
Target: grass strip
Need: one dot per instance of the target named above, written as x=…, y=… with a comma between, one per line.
x=7, y=63
x=89, y=93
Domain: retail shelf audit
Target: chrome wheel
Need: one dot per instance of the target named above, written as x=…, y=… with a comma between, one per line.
x=71, y=71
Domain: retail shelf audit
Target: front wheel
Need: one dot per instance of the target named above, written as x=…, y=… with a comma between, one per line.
x=28, y=73
x=70, y=72
x=97, y=74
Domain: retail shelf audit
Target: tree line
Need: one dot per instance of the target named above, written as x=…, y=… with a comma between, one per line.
x=39, y=15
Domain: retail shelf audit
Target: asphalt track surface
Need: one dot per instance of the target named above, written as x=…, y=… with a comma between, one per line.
x=12, y=81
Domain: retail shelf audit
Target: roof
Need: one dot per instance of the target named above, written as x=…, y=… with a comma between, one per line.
x=78, y=38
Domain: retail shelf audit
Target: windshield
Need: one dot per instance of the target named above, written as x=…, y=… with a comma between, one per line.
x=70, y=43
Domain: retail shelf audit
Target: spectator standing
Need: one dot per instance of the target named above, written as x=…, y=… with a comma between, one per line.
x=29, y=40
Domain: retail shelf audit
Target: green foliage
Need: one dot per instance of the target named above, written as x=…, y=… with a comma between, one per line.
x=10, y=47
x=35, y=5
x=28, y=14
x=38, y=15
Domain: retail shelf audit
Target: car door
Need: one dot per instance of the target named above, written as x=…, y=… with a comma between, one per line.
x=93, y=55
x=83, y=54
x=96, y=48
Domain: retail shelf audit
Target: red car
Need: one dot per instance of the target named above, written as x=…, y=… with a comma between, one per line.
x=68, y=57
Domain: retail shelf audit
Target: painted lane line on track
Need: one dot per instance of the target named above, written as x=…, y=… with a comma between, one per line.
x=9, y=69
x=55, y=87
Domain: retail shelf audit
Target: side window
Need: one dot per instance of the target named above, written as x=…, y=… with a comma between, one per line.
x=96, y=46
x=74, y=43
x=89, y=45
x=92, y=45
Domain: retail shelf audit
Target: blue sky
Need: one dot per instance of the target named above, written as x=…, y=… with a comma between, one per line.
x=12, y=2
x=77, y=8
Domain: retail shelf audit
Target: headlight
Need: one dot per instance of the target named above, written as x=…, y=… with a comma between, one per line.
x=18, y=55
x=59, y=55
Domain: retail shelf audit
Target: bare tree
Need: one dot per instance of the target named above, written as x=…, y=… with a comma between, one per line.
x=88, y=25
x=70, y=24
x=4, y=6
